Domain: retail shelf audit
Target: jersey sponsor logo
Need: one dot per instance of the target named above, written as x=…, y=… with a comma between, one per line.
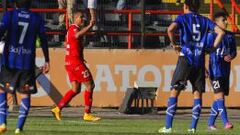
x=19, y=50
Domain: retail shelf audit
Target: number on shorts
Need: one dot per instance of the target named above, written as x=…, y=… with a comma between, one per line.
x=216, y=84
x=85, y=74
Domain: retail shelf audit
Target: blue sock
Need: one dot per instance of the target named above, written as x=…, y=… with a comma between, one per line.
x=23, y=112
x=222, y=110
x=3, y=108
x=196, y=112
x=213, y=114
x=170, y=112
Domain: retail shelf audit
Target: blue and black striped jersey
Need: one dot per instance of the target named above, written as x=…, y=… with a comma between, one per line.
x=193, y=29
x=218, y=67
x=23, y=28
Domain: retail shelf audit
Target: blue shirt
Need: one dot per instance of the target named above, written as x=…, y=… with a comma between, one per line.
x=23, y=27
x=193, y=29
x=218, y=67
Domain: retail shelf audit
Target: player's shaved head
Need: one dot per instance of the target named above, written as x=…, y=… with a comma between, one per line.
x=23, y=3
x=77, y=14
x=193, y=5
x=78, y=18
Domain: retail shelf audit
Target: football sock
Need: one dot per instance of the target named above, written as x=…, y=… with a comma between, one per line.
x=3, y=108
x=23, y=112
x=213, y=114
x=170, y=112
x=222, y=110
x=88, y=101
x=196, y=113
x=66, y=99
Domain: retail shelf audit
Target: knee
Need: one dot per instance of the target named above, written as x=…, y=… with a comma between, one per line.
x=90, y=87
x=197, y=95
x=77, y=91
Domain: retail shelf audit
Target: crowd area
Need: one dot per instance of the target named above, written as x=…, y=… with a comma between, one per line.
x=107, y=21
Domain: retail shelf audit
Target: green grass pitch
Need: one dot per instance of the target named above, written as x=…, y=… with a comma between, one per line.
x=76, y=126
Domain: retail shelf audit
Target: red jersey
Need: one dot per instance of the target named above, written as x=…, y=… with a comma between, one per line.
x=74, y=47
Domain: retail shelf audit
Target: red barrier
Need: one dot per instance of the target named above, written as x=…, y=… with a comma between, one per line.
x=237, y=8
x=130, y=19
x=231, y=18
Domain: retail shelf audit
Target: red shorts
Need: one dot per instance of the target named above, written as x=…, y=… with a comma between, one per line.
x=79, y=73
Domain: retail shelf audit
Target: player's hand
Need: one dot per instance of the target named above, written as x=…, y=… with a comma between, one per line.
x=177, y=48
x=91, y=23
x=45, y=68
x=93, y=19
x=228, y=58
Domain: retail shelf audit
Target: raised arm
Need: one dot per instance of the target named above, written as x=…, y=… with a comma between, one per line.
x=219, y=36
x=92, y=5
x=84, y=30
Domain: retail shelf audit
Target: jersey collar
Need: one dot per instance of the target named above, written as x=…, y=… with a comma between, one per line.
x=75, y=25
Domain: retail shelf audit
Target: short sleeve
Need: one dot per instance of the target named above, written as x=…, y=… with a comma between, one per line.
x=211, y=24
x=210, y=39
x=178, y=20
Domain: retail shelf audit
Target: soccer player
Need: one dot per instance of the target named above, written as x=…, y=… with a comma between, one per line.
x=193, y=29
x=18, y=59
x=219, y=71
x=76, y=68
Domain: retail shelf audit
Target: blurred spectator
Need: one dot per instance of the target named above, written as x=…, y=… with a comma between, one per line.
x=121, y=4
x=69, y=5
x=91, y=5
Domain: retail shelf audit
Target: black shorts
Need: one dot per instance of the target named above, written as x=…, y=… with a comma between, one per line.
x=185, y=72
x=220, y=84
x=21, y=80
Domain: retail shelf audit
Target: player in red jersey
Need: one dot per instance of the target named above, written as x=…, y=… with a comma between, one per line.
x=76, y=68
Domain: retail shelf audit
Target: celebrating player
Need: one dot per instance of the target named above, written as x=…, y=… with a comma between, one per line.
x=193, y=29
x=18, y=59
x=77, y=70
x=219, y=71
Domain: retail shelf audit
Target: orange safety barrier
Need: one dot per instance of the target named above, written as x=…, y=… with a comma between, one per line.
x=130, y=19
